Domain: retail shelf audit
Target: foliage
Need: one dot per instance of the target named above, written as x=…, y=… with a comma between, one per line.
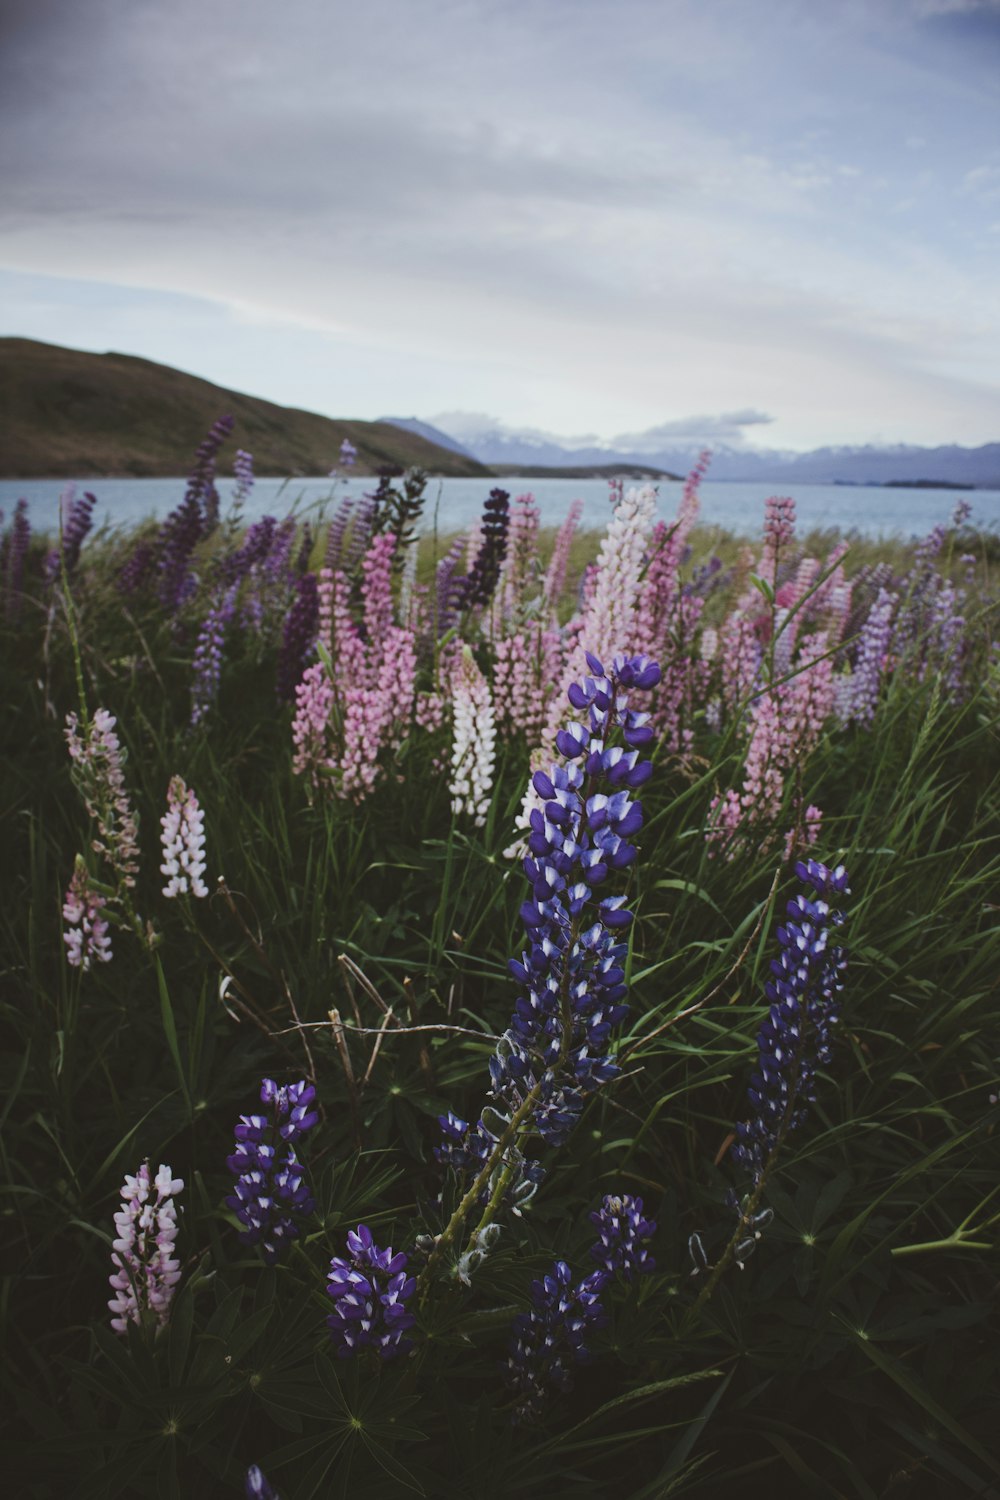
x=361, y=943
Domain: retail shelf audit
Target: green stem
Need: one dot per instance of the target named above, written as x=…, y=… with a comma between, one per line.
x=458, y=1218
x=955, y=1241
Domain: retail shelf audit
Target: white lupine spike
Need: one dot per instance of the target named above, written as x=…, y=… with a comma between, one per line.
x=473, y=752
x=183, y=841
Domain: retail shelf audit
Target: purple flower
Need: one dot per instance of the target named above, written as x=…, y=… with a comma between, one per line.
x=299, y=635
x=271, y=1194
x=15, y=550
x=370, y=1290
x=175, y=542
x=552, y=1336
x=207, y=660
x=243, y=474
x=622, y=1231
x=572, y=974
x=77, y=519
x=348, y=454
x=478, y=588
x=257, y=1487
x=335, y=535
x=201, y=483
x=795, y=1038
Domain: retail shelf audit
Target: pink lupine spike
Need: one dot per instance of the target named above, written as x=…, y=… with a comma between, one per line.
x=555, y=576
x=87, y=937
x=146, y=1271
x=376, y=590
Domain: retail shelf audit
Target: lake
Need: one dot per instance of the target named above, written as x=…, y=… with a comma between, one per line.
x=737, y=507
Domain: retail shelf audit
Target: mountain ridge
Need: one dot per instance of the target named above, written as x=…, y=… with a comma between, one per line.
x=900, y=463
x=69, y=413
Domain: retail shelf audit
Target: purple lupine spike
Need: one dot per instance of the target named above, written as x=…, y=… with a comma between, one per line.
x=443, y=613
x=464, y=1146
x=573, y=972
x=201, y=484
x=276, y=563
x=244, y=476
x=177, y=538
x=271, y=1194
x=348, y=454
x=298, y=636
x=361, y=535
x=795, y=1038
x=335, y=535
x=620, y=1248
x=207, y=660
x=370, y=1290
x=257, y=1486
x=77, y=519
x=138, y=567
x=477, y=589
x=193, y=518
x=549, y=1339
x=870, y=666
x=305, y=549
x=15, y=551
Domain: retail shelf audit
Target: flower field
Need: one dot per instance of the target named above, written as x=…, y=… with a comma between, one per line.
x=505, y=1014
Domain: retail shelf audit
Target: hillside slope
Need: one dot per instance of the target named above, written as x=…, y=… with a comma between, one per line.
x=67, y=413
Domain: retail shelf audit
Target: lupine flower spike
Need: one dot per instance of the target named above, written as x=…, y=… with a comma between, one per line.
x=87, y=936
x=795, y=1038
x=793, y=1043
x=271, y=1195
x=370, y=1290
x=552, y=1336
x=572, y=977
x=146, y=1272
x=257, y=1487
x=620, y=1249
x=183, y=842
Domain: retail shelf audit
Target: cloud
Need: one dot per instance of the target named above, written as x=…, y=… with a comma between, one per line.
x=727, y=428
x=740, y=228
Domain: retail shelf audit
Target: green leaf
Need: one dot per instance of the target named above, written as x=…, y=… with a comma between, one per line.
x=391, y=1465
x=906, y=1383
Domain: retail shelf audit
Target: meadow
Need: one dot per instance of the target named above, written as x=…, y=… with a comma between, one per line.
x=505, y=1014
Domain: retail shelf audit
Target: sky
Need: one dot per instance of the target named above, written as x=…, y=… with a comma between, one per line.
x=763, y=222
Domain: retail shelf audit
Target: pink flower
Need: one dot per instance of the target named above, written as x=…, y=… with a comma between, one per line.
x=87, y=937
x=146, y=1272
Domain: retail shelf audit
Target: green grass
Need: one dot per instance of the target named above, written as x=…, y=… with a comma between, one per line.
x=853, y=1357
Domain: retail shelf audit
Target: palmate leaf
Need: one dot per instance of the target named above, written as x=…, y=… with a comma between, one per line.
x=397, y=1471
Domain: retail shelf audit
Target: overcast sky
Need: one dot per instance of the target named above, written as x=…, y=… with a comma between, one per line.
x=774, y=218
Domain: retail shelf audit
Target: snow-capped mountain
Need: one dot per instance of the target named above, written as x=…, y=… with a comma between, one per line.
x=432, y=434
x=480, y=436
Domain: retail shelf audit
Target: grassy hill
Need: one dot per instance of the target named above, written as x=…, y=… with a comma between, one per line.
x=67, y=413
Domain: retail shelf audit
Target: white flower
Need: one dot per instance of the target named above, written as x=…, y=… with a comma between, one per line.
x=473, y=751
x=183, y=842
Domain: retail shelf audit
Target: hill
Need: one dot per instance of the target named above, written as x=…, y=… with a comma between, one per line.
x=625, y=469
x=68, y=413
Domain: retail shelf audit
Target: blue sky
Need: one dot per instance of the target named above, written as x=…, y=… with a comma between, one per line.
x=582, y=216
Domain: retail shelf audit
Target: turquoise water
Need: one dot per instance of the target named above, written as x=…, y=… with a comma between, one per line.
x=458, y=502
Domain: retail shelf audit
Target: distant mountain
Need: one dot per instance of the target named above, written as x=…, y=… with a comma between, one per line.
x=432, y=434
x=506, y=447
x=67, y=413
